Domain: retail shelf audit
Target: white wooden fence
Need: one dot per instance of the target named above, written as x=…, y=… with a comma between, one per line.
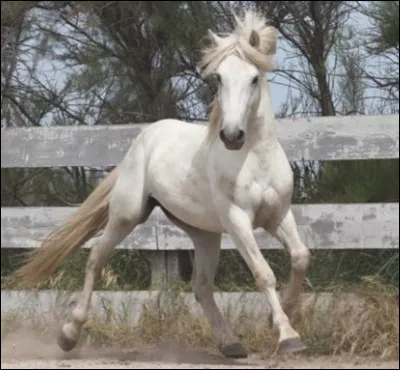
x=327, y=226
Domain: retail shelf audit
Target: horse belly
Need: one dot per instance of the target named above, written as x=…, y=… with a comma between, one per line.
x=178, y=180
x=191, y=202
x=201, y=216
x=185, y=193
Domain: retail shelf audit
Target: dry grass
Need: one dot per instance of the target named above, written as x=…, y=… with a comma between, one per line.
x=367, y=327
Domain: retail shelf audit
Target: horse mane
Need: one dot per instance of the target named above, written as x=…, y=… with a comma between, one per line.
x=238, y=42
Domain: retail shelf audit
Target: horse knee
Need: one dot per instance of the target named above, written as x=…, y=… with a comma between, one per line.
x=265, y=279
x=301, y=258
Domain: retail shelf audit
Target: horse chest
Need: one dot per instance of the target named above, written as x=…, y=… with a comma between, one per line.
x=247, y=189
x=260, y=193
x=274, y=201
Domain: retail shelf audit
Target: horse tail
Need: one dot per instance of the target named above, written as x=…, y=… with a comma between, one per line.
x=90, y=217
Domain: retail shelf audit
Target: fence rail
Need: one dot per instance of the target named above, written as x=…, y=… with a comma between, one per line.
x=322, y=226
x=319, y=138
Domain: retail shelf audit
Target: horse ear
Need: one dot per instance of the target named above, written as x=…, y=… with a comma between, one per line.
x=213, y=38
x=254, y=39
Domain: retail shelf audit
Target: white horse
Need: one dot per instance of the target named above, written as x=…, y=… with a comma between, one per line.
x=231, y=176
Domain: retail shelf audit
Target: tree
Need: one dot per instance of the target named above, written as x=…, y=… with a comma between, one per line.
x=382, y=44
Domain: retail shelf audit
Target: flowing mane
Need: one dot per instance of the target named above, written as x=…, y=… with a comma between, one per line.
x=252, y=40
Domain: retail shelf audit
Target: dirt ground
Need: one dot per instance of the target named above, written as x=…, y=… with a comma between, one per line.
x=27, y=351
x=113, y=364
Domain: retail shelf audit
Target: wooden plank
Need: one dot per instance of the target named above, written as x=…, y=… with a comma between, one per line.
x=321, y=226
x=66, y=145
x=317, y=138
x=25, y=227
x=340, y=138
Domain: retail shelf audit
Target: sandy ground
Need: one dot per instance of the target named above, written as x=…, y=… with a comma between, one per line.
x=115, y=364
x=24, y=351
x=98, y=364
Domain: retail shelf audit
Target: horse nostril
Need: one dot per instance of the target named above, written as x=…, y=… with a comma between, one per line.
x=240, y=135
x=222, y=135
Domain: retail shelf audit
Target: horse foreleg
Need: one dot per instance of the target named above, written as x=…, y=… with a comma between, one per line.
x=239, y=226
x=288, y=235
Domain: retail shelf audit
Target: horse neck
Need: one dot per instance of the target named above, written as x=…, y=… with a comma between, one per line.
x=262, y=125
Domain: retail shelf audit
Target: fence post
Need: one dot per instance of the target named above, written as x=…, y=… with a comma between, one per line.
x=165, y=269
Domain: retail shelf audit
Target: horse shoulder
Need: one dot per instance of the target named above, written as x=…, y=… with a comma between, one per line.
x=283, y=173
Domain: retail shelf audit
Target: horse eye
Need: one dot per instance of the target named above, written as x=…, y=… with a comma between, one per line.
x=218, y=78
x=255, y=80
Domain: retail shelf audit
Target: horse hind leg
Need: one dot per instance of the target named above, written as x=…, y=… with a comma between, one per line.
x=101, y=248
x=207, y=251
x=126, y=211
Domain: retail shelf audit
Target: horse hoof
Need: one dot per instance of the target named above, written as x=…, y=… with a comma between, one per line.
x=65, y=343
x=234, y=350
x=292, y=345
